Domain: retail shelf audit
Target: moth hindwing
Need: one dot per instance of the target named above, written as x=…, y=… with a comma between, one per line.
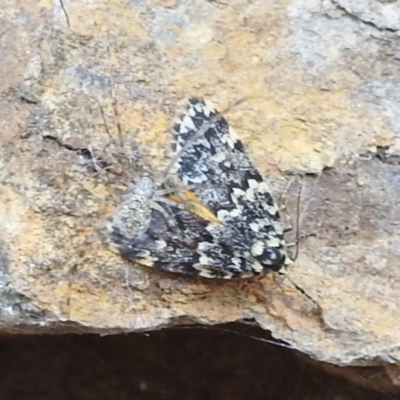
x=222, y=224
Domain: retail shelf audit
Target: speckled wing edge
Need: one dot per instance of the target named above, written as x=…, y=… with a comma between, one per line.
x=219, y=171
x=245, y=237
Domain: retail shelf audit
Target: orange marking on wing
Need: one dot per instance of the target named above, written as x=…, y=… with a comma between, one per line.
x=195, y=205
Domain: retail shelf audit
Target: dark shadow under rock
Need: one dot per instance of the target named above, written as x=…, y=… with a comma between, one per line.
x=183, y=363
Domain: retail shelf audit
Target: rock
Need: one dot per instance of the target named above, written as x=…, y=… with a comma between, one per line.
x=321, y=103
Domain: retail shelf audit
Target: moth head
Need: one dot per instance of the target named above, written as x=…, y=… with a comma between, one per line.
x=144, y=187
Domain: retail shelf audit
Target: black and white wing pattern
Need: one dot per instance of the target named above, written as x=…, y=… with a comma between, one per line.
x=218, y=170
x=244, y=236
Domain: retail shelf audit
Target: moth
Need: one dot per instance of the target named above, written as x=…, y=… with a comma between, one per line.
x=211, y=215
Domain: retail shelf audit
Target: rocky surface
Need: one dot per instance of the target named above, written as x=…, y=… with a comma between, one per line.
x=320, y=81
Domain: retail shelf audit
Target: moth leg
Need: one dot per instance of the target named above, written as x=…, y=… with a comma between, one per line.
x=293, y=254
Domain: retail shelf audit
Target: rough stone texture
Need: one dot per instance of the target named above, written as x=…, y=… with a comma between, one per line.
x=320, y=79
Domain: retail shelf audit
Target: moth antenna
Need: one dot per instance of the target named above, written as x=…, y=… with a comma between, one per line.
x=283, y=210
x=125, y=159
x=65, y=13
x=297, y=247
x=120, y=144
